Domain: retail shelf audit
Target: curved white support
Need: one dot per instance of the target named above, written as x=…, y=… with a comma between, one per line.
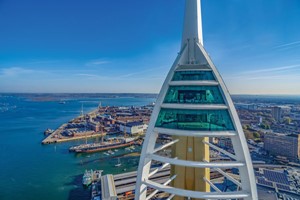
x=201, y=134
x=165, y=146
x=220, y=150
x=193, y=83
x=195, y=164
x=195, y=106
x=197, y=195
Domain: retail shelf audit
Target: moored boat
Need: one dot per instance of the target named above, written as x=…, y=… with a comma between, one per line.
x=90, y=176
x=48, y=131
x=119, y=163
x=87, y=178
x=103, y=146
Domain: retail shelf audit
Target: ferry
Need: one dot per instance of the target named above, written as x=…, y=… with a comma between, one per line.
x=87, y=178
x=97, y=147
x=90, y=176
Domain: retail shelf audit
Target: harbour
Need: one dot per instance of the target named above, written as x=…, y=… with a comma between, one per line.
x=62, y=171
x=25, y=161
x=101, y=122
x=220, y=119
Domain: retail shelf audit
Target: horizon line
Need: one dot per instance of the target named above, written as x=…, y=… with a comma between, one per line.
x=134, y=93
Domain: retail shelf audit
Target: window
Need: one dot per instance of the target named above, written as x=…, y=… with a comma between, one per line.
x=203, y=120
x=194, y=95
x=193, y=75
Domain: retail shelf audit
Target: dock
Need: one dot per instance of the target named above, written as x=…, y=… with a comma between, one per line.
x=56, y=136
x=101, y=121
x=122, y=186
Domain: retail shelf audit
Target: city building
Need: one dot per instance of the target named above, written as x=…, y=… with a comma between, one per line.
x=283, y=145
x=295, y=116
x=133, y=128
x=246, y=106
x=276, y=113
x=95, y=126
x=193, y=106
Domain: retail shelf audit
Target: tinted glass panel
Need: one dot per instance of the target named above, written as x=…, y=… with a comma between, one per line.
x=203, y=120
x=194, y=95
x=193, y=75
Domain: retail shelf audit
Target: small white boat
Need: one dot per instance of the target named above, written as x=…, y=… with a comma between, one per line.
x=119, y=163
x=48, y=131
x=110, y=152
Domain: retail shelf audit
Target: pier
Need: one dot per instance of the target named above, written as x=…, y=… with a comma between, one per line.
x=57, y=137
x=121, y=186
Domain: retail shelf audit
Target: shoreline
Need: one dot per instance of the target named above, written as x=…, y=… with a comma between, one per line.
x=60, y=140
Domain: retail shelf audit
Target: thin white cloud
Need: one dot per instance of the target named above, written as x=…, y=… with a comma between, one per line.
x=141, y=72
x=278, y=77
x=92, y=76
x=283, y=68
x=97, y=62
x=264, y=77
x=15, y=71
x=88, y=75
x=288, y=45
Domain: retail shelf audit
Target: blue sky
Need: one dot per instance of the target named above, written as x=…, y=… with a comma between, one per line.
x=129, y=46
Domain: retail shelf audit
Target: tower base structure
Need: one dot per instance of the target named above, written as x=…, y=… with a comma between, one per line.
x=193, y=108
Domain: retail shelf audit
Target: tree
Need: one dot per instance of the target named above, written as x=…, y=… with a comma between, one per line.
x=248, y=135
x=287, y=120
x=256, y=135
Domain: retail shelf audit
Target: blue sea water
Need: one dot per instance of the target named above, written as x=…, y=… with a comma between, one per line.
x=29, y=170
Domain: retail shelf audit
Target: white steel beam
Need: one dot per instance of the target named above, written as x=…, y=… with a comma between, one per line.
x=165, y=146
x=220, y=150
x=180, y=69
x=177, y=132
x=158, y=169
x=188, y=83
x=195, y=164
x=196, y=194
x=156, y=191
x=195, y=106
x=229, y=177
x=211, y=184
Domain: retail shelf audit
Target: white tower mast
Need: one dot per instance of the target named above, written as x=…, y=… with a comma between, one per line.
x=193, y=106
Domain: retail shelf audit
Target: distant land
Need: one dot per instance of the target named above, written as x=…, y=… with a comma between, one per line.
x=271, y=99
x=283, y=99
x=65, y=96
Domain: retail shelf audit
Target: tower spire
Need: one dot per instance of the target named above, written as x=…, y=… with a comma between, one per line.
x=193, y=107
x=192, y=29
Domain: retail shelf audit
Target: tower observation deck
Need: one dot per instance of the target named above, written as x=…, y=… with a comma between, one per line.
x=194, y=106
